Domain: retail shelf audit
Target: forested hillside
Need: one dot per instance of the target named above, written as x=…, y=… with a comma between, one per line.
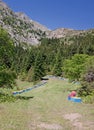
x=61, y=52
x=46, y=76
x=72, y=58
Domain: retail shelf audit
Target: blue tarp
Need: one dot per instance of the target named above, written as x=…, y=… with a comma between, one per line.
x=29, y=89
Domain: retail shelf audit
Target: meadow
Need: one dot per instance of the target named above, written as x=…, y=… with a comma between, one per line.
x=46, y=108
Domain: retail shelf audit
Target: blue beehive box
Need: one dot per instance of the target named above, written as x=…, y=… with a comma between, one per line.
x=76, y=99
x=14, y=93
x=69, y=98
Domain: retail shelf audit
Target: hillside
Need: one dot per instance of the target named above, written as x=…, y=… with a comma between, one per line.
x=25, y=30
x=31, y=54
x=21, y=27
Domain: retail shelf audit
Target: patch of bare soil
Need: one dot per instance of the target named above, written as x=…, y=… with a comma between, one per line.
x=89, y=125
x=75, y=120
x=50, y=126
x=72, y=116
x=46, y=126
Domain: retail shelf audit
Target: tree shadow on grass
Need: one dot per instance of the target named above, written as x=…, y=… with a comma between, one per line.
x=11, y=98
x=24, y=97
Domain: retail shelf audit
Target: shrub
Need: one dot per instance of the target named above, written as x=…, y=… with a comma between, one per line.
x=87, y=78
x=74, y=67
x=6, y=98
x=89, y=98
x=7, y=78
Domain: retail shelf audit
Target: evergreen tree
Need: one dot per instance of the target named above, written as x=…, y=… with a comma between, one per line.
x=38, y=69
x=6, y=49
x=57, y=67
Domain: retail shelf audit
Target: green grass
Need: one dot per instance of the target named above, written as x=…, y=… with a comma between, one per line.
x=45, y=108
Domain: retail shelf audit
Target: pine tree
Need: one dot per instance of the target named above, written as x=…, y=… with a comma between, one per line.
x=38, y=69
x=57, y=67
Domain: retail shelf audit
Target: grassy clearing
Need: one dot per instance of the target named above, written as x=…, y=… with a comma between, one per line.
x=47, y=108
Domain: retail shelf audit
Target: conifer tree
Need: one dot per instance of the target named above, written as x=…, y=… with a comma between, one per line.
x=57, y=67
x=38, y=69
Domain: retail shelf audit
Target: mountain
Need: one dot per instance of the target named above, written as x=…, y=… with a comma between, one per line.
x=25, y=30
x=66, y=33
x=21, y=27
x=63, y=32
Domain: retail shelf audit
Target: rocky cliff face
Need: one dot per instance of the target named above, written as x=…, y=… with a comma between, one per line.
x=66, y=33
x=22, y=29
x=63, y=32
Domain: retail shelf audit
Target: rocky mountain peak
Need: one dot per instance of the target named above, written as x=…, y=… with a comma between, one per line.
x=20, y=26
x=4, y=5
x=63, y=32
x=22, y=16
x=24, y=29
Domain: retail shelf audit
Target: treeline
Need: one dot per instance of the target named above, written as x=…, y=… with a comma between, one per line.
x=69, y=57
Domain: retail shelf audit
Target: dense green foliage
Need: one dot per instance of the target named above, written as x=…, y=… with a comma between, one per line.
x=67, y=56
x=7, y=78
x=74, y=67
x=57, y=65
x=38, y=68
x=87, y=78
x=6, y=50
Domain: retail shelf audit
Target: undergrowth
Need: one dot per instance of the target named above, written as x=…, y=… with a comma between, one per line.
x=11, y=98
x=89, y=98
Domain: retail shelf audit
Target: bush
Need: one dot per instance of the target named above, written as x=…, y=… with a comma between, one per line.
x=6, y=98
x=29, y=75
x=89, y=98
x=87, y=78
x=84, y=91
x=7, y=78
x=74, y=67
